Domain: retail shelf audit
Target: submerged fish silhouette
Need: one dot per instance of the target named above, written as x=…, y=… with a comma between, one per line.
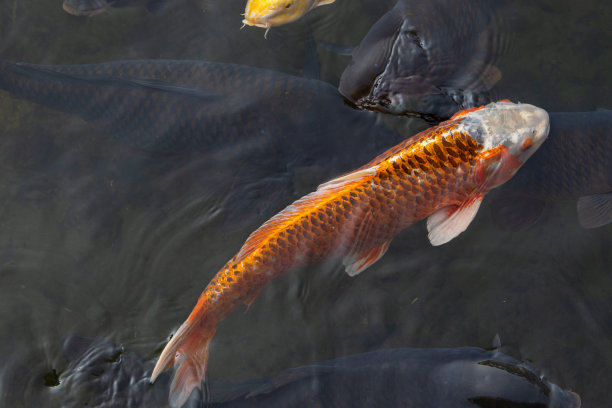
x=428, y=57
x=441, y=174
x=260, y=122
x=171, y=106
x=466, y=377
x=95, y=7
x=575, y=162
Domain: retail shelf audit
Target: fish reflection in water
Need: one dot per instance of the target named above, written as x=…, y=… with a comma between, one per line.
x=426, y=378
x=441, y=174
x=430, y=57
x=259, y=122
x=95, y=7
x=574, y=163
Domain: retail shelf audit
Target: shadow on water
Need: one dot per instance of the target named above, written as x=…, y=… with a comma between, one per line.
x=115, y=243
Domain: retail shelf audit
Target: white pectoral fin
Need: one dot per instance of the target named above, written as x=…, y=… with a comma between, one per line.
x=358, y=262
x=323, y=2
x=595, y=210
x=448, y=222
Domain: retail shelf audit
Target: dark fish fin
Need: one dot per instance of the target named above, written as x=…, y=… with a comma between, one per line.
x=256, y=192
x=160, y=85
x=41, y=72
x=595, y=210
x=312, y=67
x=86, y=7
x=157, y=7
x=344, y=50
x=515, y=212
x=496, y=341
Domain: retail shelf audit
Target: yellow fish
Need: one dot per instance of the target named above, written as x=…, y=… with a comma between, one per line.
x=270, y=13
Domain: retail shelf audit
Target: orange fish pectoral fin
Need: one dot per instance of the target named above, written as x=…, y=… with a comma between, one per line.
x=448, y=222
x=356, y=263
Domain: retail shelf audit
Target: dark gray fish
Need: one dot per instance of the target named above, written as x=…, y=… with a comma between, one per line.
x=574, y=163
x=95, y=7
x=101, y=374
x=171, y=106
x=260, y=123
x=426, y=57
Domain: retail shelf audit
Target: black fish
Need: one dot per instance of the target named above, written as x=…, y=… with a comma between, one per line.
x=427, y=57
x=574, y=163
x=101, y=374
x=259, y=122
x=168, y=106
x=94, y=7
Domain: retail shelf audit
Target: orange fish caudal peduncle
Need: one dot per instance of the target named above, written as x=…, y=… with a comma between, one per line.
x=441, y=174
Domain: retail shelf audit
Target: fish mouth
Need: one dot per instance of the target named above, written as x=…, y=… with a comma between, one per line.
x=256, y=23
x=262, y=19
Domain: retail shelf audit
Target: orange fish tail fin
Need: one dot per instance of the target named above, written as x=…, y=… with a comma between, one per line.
x=187, y=351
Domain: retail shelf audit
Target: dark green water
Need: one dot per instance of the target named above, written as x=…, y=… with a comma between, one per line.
x=108, y=242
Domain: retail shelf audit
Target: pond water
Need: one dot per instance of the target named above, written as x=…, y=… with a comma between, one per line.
x=111, y=242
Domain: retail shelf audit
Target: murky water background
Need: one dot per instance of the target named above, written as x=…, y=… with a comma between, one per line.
x=106, y=241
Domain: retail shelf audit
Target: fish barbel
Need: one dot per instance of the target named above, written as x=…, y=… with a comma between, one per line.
x=441, y=173
x=271, y=13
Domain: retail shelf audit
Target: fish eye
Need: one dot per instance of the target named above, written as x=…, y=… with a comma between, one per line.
x=288, y=5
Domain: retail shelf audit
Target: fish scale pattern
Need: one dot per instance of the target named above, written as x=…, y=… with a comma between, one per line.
x=432, y=170
x=169, y=105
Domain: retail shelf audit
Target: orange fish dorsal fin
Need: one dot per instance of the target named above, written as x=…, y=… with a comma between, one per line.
x=448, y=222
x=286, y=217
x=465, y=112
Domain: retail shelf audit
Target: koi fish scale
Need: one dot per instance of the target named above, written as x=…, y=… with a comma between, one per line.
x=440, y=174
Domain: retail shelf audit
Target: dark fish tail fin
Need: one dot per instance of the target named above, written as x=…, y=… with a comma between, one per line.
x=187, y=351
x=85, y=7
x=36, y=83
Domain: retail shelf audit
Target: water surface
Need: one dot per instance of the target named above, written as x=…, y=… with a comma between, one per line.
x=106, y=241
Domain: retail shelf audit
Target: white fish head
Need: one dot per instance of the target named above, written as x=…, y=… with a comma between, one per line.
x=509, y=134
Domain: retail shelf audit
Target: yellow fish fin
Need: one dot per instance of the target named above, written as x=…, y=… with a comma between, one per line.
x=323, y=2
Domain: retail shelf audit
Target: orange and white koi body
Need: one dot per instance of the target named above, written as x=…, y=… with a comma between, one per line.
x=271, y=13
x=441, y=174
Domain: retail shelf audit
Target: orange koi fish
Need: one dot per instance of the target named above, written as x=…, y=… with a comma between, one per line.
x=440, y=174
